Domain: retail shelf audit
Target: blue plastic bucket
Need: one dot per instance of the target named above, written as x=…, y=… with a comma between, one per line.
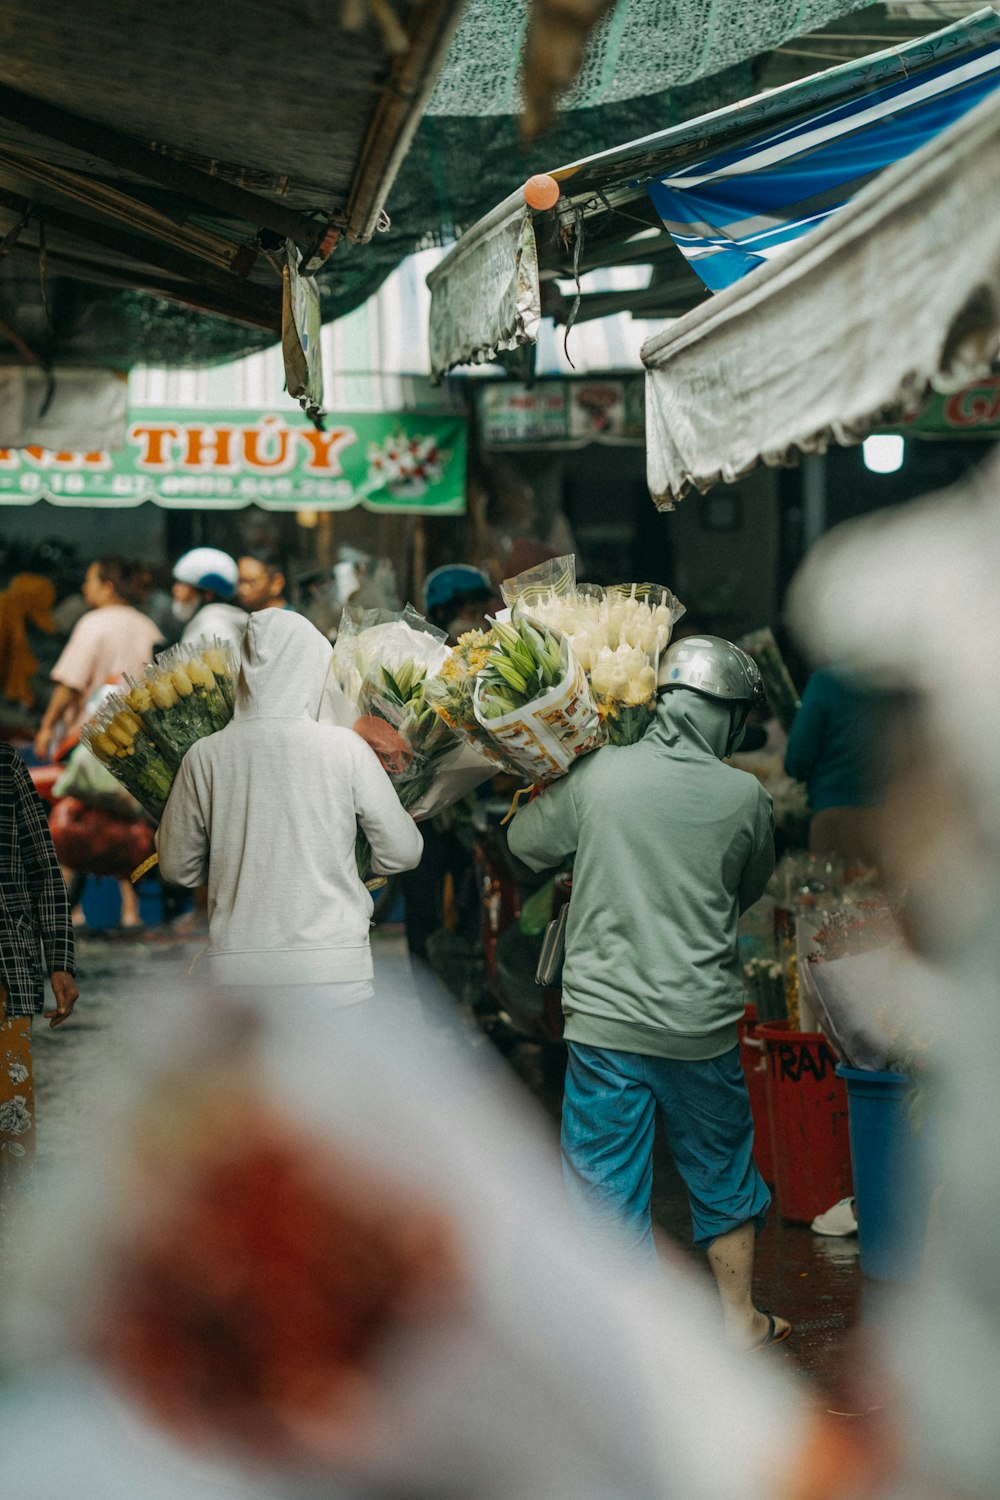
x=101, y=902
x=892, y=1198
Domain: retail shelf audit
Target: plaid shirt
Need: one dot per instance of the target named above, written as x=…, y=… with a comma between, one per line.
x=34, y=909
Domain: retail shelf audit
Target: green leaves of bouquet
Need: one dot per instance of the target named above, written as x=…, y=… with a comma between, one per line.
x=526, y=662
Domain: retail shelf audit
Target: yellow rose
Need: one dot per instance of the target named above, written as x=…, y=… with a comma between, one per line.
x=139, y=700
x=104, y=747
x=216, y=661
x=162, y=690
x=121, y=731
x=200, y=673
x=182, y=682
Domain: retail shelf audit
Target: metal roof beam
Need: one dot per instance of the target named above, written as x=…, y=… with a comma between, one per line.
x=251, y=313
x=261, y=301
x=122, y=151
x=110, y=203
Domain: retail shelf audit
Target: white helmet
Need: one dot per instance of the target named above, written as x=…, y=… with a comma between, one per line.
x=209, y=569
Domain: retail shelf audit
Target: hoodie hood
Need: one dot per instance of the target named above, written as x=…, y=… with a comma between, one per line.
x=691, y=724
x=285, y=663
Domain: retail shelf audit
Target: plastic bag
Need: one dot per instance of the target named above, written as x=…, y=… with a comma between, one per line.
x=96, y=842
x=546, y=580
x=86, y=779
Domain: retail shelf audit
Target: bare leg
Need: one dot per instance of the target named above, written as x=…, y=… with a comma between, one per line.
x=130, y=905
x=731, y=1260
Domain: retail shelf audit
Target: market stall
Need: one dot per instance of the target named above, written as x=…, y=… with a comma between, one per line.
x=528, y=258
x=850, y=330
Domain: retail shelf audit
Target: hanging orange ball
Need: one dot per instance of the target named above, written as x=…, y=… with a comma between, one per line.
x=541, y=191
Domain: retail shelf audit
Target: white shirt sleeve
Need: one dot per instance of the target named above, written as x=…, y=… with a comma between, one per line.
x=182, y=837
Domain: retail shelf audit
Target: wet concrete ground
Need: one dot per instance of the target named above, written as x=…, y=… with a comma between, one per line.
x=813, y=1281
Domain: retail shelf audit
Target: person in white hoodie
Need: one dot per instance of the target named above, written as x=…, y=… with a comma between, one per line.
x=266, y=812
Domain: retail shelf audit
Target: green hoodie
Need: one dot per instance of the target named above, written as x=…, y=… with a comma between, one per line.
x=671, y=845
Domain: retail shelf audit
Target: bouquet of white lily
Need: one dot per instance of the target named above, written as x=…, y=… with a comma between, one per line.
x=386, y=666
x=452, y=693
x=532, y=698
x=617, y=635
x=142, y=733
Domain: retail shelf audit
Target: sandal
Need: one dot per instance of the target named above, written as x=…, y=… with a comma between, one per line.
x=773, y=1334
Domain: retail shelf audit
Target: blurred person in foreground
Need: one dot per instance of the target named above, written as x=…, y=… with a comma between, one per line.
x=266, y=813
x=34, y=921
x=262, y=581
x=112, y=638
x=348, y=1271
x=204, y=588
x=872, y=596
x=832, y=747
x=670, y=846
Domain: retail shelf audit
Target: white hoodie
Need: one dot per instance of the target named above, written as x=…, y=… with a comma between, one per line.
x=267, y=812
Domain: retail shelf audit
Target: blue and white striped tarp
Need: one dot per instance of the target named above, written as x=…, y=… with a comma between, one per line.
x=731, y=212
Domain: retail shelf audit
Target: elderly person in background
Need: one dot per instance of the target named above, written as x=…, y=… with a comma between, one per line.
x=34, y=919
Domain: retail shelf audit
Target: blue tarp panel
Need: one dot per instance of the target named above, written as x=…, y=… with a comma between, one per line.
x=731, y=212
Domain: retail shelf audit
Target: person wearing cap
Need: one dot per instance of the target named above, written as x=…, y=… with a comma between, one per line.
x=456, y=597
x=205, y=583
x=670, y=846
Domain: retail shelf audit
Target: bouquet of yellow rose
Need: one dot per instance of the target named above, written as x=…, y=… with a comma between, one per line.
x=142, y=732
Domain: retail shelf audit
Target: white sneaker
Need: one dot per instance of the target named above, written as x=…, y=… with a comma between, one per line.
x=839, y=1220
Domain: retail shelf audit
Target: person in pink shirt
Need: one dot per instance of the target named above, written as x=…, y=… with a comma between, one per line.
x=111, y=638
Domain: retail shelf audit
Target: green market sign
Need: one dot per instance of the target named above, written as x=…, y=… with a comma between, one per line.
x=397, y=462
x=974, y=411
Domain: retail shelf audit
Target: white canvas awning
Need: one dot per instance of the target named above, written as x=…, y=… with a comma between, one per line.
x=897, y=295
x=485, y=294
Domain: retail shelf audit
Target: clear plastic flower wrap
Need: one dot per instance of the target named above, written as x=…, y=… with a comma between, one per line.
x=143, y=731
x=384, y=665
x=781, y=691
x=451, y=693
x=617, y=635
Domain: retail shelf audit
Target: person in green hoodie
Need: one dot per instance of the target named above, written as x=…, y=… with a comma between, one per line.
x=670, y=846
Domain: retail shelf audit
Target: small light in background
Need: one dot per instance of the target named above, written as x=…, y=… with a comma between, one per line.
x=307, y=518
x=883, y=452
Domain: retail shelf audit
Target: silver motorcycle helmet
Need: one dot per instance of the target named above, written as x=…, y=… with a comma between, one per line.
x=710, y=665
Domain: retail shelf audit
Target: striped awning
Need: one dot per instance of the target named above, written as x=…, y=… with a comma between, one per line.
x=731, y=212
x=896, y=296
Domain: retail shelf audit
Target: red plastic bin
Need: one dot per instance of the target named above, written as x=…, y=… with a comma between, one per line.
x=810, y=1139
x=754, y=1060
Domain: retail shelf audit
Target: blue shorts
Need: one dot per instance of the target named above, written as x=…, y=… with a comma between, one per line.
x=609, y=1111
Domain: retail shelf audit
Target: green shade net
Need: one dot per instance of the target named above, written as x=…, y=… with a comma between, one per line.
x=465, y=158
